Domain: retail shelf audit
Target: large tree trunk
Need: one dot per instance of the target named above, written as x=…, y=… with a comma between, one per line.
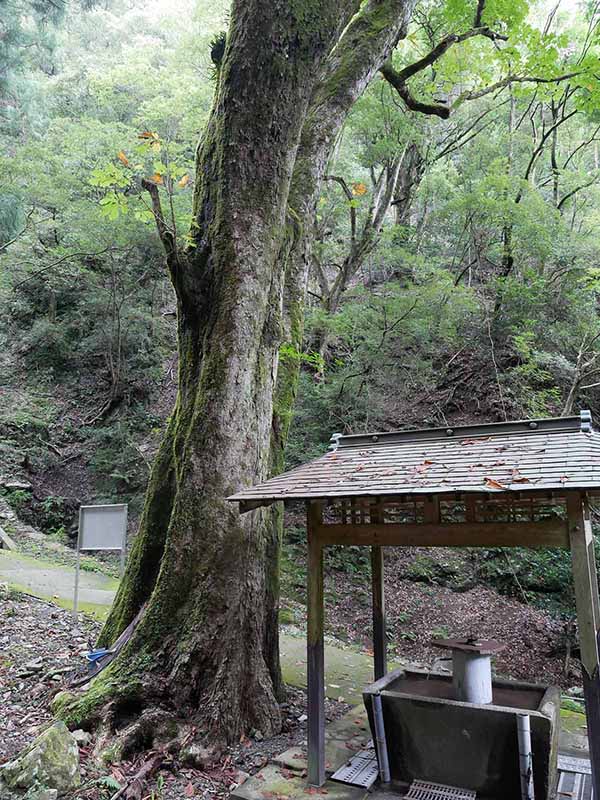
x=207, y=643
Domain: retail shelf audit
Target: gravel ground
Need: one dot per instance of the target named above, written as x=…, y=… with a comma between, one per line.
x=40, y=653
x=41, y=650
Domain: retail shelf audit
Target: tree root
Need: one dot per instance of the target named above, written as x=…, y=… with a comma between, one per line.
x=134, y=789
x=126, y=719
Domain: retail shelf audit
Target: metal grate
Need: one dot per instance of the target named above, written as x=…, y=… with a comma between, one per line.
x=574, y=764
x=425, y=790
x=574, y=778
x=361, y=770
x=574, y=786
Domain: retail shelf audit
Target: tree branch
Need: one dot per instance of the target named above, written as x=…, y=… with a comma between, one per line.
x=6, y=245
x=394, y=79
x=348, y=192
x=164, y=233
x=445, y=44
x=508, y=81
x=479, y=13
x=574, y=191
x=68, y=257
x=398, y=78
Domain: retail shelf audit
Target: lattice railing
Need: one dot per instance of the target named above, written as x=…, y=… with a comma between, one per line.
x=419, y=509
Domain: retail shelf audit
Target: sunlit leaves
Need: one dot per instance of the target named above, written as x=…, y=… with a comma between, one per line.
x=113, y=204
x=150, y=142
x=123, y=181
x=110, y=175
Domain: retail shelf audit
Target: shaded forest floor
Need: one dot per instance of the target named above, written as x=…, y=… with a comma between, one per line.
x=42, y=651
x=429, y=593
x=420, y=609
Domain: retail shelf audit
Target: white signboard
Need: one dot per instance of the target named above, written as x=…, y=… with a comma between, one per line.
x=100, y=528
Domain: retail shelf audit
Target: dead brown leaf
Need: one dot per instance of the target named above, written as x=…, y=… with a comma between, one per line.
x=493, y=484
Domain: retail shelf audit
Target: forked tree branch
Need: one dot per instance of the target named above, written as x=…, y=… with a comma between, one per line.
x=164, y=232
x=443, y=46
x=398, y=78
x=394, y=79
x=508, y=81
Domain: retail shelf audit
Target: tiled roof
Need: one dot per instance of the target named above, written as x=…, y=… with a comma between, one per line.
x=561, y=453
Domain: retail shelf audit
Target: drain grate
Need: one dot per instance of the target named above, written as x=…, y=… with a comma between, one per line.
x=361, y=770
x=574, y=764
x=574, y=786
x=574, y=778
x=425, y=790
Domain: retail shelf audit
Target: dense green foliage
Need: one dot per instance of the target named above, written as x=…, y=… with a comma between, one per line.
x=469, y=294
x=86, y=305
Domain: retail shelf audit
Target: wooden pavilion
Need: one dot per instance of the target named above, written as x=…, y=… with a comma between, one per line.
x=513, y=484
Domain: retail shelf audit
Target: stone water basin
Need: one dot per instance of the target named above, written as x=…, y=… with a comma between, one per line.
x=434, y=737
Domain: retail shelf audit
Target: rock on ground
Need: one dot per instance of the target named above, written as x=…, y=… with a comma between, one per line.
x=51, y=762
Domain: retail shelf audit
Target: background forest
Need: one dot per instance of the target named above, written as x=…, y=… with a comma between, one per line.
x=455, y=277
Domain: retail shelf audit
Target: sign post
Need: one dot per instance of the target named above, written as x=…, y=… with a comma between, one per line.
x=100, y=528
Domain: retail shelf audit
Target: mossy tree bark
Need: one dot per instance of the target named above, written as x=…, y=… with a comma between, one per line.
x=206, y=645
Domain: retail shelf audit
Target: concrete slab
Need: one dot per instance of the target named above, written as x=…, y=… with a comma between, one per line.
x=347, y=672
x=390, y=793
x=278, y=783
x=295, y=758
x=337, y=752
x=353, y=725
x=343, y=738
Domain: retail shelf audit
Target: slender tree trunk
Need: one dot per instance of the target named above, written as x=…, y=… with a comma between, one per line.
x=409, y=178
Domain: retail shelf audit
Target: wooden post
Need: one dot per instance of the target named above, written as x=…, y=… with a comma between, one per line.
x=378, y=594
x=588, y=618
x=315, y=650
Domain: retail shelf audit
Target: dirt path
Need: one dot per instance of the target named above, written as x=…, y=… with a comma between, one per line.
x=54, y=582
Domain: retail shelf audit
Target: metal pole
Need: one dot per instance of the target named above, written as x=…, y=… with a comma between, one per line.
x=585, y=582
x=525, y=756
x=380, y=740
x=472, y=677
x=76, y=596
x=124, y=544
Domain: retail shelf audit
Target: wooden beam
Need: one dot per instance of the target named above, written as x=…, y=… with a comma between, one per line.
x=584, y=581
x=6, y=541
x=251, y=505
x=549, y=533
x=315, y=649
x=588, y=620
x=379, y=626
x=431, y=510
x=470, y=508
